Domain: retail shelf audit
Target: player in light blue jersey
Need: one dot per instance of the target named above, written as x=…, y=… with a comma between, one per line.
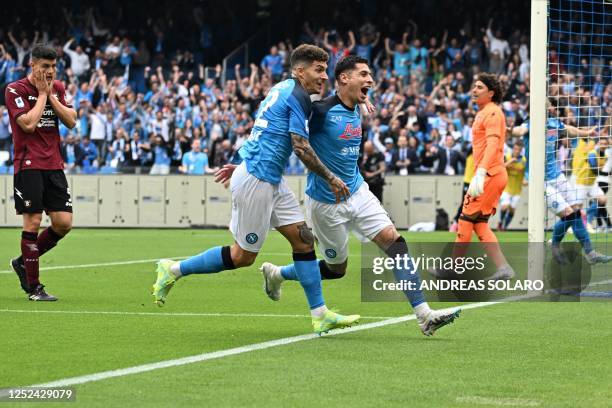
x=260, y=196
x=335, y=135
x=561, y=196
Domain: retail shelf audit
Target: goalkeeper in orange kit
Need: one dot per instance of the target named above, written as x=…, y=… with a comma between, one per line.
x=490, y=178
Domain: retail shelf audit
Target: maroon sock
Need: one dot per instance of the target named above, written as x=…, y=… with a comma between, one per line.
x=29, y=252
x=47, y=240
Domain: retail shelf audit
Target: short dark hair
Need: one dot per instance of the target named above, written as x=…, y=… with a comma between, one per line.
x=307, y=53
x=43, y=51
x=348, y=63
x=492, y=82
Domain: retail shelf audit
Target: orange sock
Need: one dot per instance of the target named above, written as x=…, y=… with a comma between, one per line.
x=487, y=236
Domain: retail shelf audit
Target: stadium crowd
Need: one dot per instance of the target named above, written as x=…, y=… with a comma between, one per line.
x=144, y=106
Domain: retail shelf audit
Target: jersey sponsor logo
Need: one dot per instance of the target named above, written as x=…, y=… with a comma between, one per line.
x=351, y=132
x=32, y=98
x=19, y=102
x=330, y=253
x=252, y=238
x=350, y=150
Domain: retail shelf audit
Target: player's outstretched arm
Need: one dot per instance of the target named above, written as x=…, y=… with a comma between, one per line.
x=577, y=132
x=307, y=155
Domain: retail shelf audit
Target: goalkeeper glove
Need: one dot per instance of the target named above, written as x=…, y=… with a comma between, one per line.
x=476, y=187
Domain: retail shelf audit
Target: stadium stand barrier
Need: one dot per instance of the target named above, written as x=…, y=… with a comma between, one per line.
x=191, y=201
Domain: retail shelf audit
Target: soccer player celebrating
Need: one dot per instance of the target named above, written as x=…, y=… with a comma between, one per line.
x=260, y=196
x=36, y=104
x=336, y=137
x=490, y=179
x=559, y=197
x=516, y=164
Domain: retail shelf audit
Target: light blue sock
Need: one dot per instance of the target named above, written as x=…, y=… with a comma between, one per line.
x=288, y=272
x=592, y=210
x=410, y=274
x=582, y=234
x=209, y=261
x=559, y=230
x=307, y=271
x=415, y=297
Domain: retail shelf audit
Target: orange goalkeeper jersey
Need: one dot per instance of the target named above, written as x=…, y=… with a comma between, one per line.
x=490, y=120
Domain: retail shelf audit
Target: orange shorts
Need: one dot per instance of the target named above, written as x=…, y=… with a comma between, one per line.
x=486, y=203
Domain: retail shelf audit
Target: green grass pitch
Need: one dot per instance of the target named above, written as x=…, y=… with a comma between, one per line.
x=510, y=354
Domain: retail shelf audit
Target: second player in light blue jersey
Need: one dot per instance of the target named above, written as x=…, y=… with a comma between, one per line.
x=335, y=135
x=561, y=195
x=261, y=198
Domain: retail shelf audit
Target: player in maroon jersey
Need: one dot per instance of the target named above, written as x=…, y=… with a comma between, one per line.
x=36, y=104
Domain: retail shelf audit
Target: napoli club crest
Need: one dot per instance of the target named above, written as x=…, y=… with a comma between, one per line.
x=330, y=253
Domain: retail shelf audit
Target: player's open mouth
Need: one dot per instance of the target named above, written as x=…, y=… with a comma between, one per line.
x=365, y=90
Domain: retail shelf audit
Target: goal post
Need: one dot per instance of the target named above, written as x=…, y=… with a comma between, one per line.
x=537, y=130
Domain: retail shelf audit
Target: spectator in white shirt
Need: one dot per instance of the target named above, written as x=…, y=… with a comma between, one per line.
x=98, y=126
x=499, y=50
x=79, y=61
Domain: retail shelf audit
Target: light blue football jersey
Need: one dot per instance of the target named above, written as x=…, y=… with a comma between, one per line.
x=285, y=110
x=553, y=167
x=335, y=136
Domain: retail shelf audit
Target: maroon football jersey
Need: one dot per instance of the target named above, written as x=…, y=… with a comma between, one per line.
x=40, y=149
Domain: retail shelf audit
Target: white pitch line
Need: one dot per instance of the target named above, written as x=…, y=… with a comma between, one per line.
x=94, y=265
x=496, y=401
x=66, y=382
x=178, y=314
x=133, y=262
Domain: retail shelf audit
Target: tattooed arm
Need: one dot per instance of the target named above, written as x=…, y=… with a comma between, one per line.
x=306, y=154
